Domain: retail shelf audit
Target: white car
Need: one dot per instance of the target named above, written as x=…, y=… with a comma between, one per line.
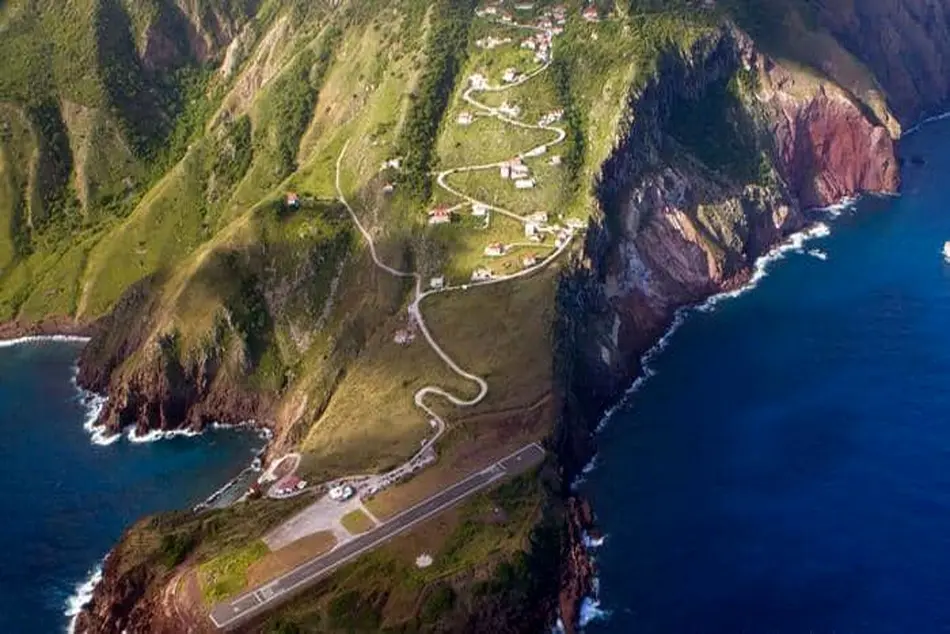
x=341, y=493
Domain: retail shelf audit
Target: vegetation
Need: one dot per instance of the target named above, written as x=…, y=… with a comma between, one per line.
x=715, y=129
x=357, y=522
x=444, y=55
x=226, y=575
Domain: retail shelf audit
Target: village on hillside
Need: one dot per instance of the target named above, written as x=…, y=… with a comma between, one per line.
x=505, y=207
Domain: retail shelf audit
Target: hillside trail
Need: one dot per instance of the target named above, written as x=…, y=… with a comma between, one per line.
x=414, y=309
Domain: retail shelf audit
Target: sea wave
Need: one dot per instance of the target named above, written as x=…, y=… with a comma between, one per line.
x=794, y=244
x=916, y=128
x=9, y=343
x=818, y=253
x=159, y=434
x=592, y=543
x=591, y=609
x=93, y=404
x=82, y=594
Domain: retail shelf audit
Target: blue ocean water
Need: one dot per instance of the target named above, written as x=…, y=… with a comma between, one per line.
x=787, y=468
x=65, y=501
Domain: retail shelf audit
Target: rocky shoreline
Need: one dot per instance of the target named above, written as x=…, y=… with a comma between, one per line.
x=51, y=327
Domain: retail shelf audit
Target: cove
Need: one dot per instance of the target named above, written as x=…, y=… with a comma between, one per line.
x=787, y=467
x=65, y=501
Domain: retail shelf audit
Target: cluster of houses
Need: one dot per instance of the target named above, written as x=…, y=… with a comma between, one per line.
x=540, y=44
x=515, y=170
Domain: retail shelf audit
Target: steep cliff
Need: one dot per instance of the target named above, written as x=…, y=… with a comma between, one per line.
x=723, y=155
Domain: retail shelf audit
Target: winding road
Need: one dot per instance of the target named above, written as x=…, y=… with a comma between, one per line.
x=246, y=606
x=415, y=311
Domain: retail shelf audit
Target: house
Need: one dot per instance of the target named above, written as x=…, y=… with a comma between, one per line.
x=440, y=216
x=292, y=201
x=389, y=188
x=530, y=229
x=525, y=183
x=510, y=75
x=392, y=164
x=529, y=261
x=481, y=275
x=437, y=283
x=513, y=169
x=539, y=217
x=520, y=171
x=529, y=44
x=509, y=110
x=479, y=210
x=495, y=250
x=524, y=6
x=478, y=81
x=536, y=238
x=538, y=151
x=590, y=14
x=555, y=160
x=465, y=118
x=403, y=337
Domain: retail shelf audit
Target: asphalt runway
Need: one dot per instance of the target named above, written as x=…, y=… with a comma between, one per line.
x=238, y=610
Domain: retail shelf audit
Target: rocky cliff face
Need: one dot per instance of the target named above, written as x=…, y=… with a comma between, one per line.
x=905, y=43
x=680, y=223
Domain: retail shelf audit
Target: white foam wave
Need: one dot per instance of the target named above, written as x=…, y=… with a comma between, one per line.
x=159, y=434
x=593, y=542
x=9, y=343
x=93, y=403
x=913, y=129
x=591, y=610
x=82, y=594
x=818, y=253
x=794, y=244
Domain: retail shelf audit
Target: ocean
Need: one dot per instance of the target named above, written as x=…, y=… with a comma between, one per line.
x=66, y=500
x=786, y=466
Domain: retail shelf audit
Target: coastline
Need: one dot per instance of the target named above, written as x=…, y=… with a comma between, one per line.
x=590, y=608
x=17, y=331
x=92, y=404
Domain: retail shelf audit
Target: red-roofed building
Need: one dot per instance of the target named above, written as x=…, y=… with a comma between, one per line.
x=440, y=216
